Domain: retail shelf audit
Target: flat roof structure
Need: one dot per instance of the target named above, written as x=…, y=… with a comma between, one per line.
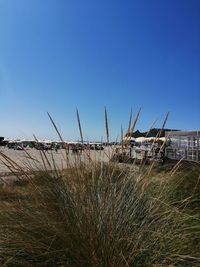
x=183, y=145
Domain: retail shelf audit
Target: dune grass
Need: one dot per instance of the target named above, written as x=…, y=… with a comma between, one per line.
x=97, y=214
x=100, y=214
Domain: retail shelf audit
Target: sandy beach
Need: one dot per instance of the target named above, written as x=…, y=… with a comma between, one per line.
x=31, y=159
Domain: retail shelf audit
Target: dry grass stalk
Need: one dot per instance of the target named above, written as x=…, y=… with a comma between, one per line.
x=130, y=122
x=79, y=125
x=106, y=126
x=135, y=121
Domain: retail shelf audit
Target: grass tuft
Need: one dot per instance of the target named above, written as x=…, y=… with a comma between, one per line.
x=96, y=215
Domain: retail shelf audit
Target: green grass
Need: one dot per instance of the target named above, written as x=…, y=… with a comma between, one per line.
x=101, y=215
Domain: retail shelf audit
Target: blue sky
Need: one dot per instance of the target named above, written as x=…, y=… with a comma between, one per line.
x=56, y=55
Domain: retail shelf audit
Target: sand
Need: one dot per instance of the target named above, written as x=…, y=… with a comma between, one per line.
x=58, y=158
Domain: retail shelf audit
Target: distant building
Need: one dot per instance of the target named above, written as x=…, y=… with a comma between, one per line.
x=183, y=145
x=154, y=132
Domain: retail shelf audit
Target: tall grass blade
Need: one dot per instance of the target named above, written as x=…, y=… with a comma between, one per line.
x=106, y=124
x=79, y=125
x=135, y=121
x=130, y=122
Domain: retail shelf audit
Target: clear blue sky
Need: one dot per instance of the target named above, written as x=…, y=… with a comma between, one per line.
x=56, y=55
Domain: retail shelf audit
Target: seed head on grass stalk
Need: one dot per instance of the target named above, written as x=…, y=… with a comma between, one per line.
x=106, y=125
x=135, y=121
x=122, y=141
x=130, y=121
x=61, y=139
x=79, y=125
x=130, y=129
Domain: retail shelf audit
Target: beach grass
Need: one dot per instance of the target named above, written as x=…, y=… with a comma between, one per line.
x=98, y=214
x=101, y=214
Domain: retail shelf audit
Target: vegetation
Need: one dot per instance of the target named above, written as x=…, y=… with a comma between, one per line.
x=101, y=215
x=97, y=214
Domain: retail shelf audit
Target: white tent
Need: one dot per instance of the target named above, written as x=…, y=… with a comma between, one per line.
x=125, y=139
x=141, y=139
